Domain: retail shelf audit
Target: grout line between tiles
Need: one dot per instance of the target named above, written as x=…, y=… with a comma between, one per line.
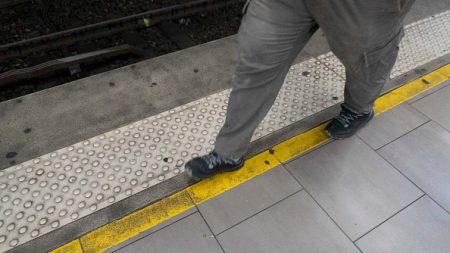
x=414, y=182
x=290, y=195
x=384, y=145
x=210, y=230
x=163, y=227
x=390, y=217
x=320, y=206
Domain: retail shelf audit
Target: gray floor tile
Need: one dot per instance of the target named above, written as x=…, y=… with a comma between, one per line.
x=296, y=224
x=390, y=125
x=189, y=235
x=357, y=188
x=152, y=230
x=423, y=155
x=436, y=106
x=423, y=227
x=247, y=199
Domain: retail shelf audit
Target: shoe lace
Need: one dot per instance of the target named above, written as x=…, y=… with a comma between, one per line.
x=213, y=159
x=346, y=117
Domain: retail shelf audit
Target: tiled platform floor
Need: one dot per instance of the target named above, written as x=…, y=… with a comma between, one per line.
x=385, y=190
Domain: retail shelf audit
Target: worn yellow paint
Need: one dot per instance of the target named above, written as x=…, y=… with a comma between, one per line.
x=445, y=70
x=214, y=186
x=300, y=143
x=131, y=225
x=408, y=91
x=71, y=247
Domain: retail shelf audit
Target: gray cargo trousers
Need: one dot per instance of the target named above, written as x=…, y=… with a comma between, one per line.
x=363, y=34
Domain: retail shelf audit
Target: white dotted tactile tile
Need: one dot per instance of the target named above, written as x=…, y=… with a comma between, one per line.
x=309, y=88
x=48, y=192
x=332, y=62
x=424, y=41
x=43, y=194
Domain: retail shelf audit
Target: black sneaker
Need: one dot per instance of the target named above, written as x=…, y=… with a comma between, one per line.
x=347, y=123
x=211, y=164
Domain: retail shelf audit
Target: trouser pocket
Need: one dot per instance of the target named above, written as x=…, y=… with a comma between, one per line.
x=378, y=63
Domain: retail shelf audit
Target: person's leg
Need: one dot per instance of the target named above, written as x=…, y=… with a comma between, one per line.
x=271, y=35
x=364, y=35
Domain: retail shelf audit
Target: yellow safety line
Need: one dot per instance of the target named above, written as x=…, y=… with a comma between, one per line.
x=445, y=70
x=410, y=90
x=72, y=247
x=221, y=183
x=301, y=143
x=131, y=225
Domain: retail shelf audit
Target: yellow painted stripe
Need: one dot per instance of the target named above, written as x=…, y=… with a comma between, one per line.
x=445, y=71
x=409, y=91
x=131, y=225
x=221, y=183
x=118, y=231
x=300, y=143
x=71, y=247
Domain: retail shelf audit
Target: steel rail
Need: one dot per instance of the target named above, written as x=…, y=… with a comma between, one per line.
x=46, y=68
x=106, y=28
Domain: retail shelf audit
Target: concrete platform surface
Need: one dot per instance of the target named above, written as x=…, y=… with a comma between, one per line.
x=345, y=196
x=45, y=121
x=72, y=175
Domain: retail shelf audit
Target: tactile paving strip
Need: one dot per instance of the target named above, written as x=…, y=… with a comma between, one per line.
x=48, y=192
x=43, y=194
x=309, y=87
x=424, y=41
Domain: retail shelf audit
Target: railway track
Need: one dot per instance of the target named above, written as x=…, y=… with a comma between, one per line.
x=135, y=30
x=108, y=28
